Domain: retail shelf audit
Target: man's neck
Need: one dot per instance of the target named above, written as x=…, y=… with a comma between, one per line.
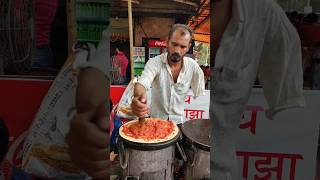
x=175, y=69
x=175, y=65
x=222, y=11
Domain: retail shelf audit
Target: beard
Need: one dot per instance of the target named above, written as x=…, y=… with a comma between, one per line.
x=175, y=57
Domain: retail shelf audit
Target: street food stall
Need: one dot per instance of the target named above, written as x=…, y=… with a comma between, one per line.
x=265, y=149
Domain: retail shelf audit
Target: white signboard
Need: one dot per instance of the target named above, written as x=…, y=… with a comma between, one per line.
x=284, y=148
x=197, y=108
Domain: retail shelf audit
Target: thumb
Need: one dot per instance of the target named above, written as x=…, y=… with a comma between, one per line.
x=101, y=117
x=97, y=116
x=87, y=115
x=143, y=99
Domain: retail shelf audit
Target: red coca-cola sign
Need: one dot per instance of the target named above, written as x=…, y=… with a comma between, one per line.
x=156, y=43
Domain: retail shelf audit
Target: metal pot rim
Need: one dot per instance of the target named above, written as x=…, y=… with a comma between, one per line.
x=150, y=146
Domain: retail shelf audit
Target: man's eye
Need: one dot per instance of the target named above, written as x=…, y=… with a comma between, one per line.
x=174, y=44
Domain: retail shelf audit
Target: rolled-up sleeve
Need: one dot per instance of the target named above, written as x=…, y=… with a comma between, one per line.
x=280, y=69
x=149, y=73
x=197, y=82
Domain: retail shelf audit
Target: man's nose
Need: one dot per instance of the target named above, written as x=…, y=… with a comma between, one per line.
x=177, y=50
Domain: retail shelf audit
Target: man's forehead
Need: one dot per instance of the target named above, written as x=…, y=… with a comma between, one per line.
x=181, y=32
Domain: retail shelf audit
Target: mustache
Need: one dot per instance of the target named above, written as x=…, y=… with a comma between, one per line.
x=175, y=57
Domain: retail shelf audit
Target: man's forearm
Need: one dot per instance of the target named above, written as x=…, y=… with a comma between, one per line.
x=139, y=90
x=92, y=89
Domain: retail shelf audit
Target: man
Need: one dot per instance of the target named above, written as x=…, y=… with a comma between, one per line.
x=249, y=35
x=170, y=75
x=88, y=138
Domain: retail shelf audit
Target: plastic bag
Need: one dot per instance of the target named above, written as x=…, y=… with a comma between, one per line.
x=11, y=164
x=45, y=153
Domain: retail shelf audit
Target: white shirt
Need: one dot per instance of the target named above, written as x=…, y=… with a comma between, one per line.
x=168, y=97
x=258, y=38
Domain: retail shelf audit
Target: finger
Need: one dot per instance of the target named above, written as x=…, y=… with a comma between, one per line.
x=79, y=122
x=93, y=136
x=140, y=113
x=101, y=117
x=87, y=116
x=103, y=124
x=138, y=104
x=137, y=109
x=88, y=132
x=143, y=99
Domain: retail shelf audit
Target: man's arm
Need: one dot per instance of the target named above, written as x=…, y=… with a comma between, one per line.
x=139, y=90
x=150, y=71
x=139, y=102
x=280, y=69
x=197, y=81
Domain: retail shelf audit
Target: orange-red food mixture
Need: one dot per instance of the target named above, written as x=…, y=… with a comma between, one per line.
x=149, y=129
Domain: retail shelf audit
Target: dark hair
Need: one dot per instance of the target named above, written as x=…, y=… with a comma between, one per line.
x=181, y=26
x=4, y=140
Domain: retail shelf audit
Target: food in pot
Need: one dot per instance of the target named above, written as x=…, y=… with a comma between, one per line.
x=150, y=129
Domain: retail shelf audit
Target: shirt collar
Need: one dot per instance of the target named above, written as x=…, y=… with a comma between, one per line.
x=164, y=58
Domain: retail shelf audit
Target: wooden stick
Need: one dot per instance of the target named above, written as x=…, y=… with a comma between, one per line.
x=71, y=24
x=131, y=37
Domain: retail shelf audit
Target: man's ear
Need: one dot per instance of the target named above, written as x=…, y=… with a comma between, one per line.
x=189, y=46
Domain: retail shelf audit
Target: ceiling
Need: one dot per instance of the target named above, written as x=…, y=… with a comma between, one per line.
x=195, y=13
x=163, y=8
x=200, y=22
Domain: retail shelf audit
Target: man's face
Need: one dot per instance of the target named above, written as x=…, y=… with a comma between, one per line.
x=178, y=45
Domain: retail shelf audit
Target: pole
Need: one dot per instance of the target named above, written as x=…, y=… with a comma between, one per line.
x=131, y=37
x=71, y=23
x=72, y=32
